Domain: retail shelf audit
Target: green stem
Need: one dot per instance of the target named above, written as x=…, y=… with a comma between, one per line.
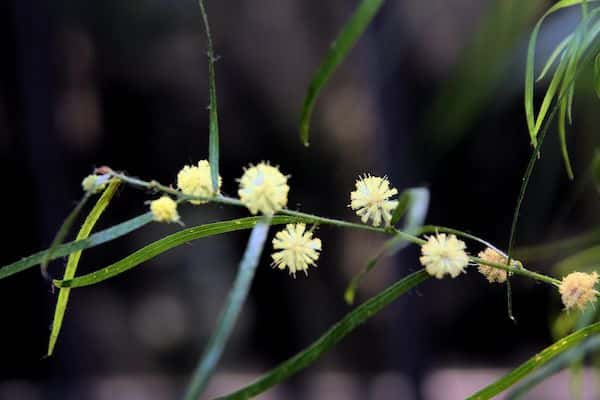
x=153, y=185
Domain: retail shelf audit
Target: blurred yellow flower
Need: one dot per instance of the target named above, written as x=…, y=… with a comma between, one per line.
x=164, y=210
x=94, y=183
x=494, y=274
x=196, y=181
x=577, y=289
x=370, y=200
x=444, y=254
x=263, y=188
x=299, y=249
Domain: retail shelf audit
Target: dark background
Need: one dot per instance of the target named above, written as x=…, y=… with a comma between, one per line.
x=431, y=96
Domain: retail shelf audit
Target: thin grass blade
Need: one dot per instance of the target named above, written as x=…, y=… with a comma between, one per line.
x=351, y=32
x=73, y=261
x=330, y=338
x=229, y=314
x=536, y=362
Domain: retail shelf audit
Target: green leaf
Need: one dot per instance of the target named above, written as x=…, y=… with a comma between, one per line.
x=167, y=243
x=553, y=366
x=230, y=313
x=351, y=32
x=562, y=135
x=84, y=232
x=213, y=125
x=60, y=251
x=557, y=51
x=403, y=204
x=415, y=203
x=536, y=362
x=330, y=338
x=532, y=124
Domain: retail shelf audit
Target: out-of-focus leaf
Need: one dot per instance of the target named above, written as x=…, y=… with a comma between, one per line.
x=73, y=261
x=414, y=202
x=557, y=51
x=537, y=361
x=585, y=260
x=230, y=313
x=597, y=75
x=351, y=32
x=167, y=243
x=330, y=338
x=482, y=66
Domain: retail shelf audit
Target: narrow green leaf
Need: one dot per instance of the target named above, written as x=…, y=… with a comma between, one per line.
x=64, y=230
x=330, y=338
x=167, y=243
x=96, y=239
x=351, y=32
x=553, y=366
x=213, y=139
x=84, y=232
x=562, y=135
x=536, y=362
x=530, y=65
x=558, y=50
x=403, y=205
x=229, y=314
x=416, y=205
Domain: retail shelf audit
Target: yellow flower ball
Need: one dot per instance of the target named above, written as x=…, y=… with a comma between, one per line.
x=263, y=188
x=299, y=249
x=444, y=254
x=164, y=209
x=371, y=199
x=494, y=274
x=577, y=289
x=196, y=181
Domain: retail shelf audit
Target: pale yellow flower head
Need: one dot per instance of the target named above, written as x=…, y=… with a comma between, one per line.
x=444, y=254
x=164, y=210
x=94, y=183
x=371, y=199
x=494, y=274
x=263, y=189
x=299, y=249
x=577, y=289
x=196, y=181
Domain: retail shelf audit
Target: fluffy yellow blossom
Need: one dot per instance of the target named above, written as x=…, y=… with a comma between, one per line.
x=94, y=183
x=299, y=249
x=263, y=188
x=577, y=289
x=164, y=210
x=196, y=181
x=371, y=199
x=494, y=274
x=444, y=254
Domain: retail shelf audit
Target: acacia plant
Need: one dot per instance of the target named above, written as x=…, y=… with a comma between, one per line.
x=264, y=190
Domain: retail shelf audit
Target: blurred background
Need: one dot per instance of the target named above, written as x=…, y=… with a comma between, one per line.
x=432, y=96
